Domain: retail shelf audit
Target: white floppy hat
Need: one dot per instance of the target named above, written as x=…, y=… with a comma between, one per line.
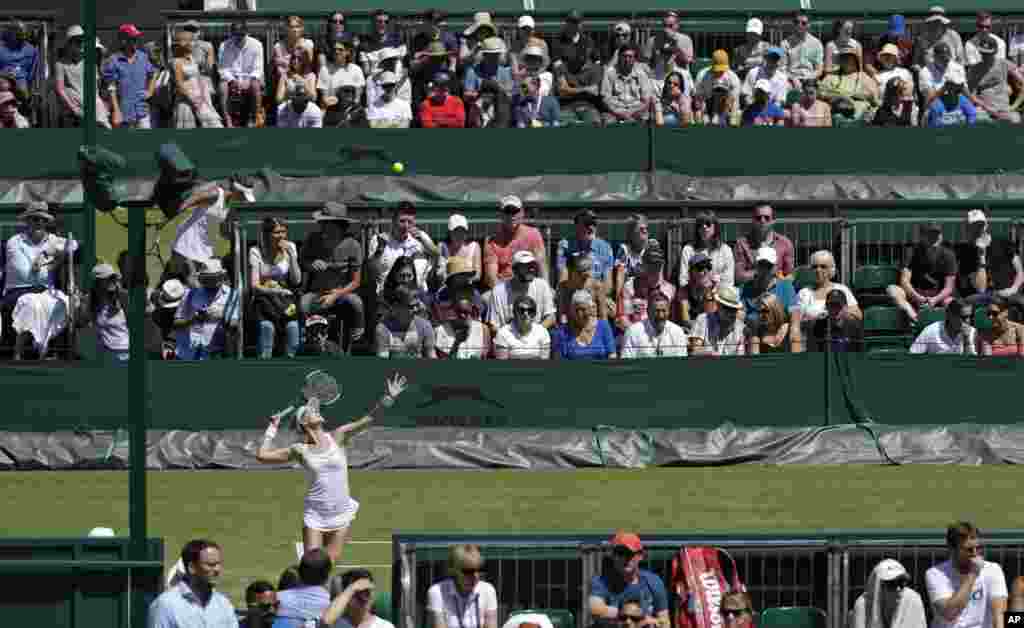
x=526, y=21
x=211, y=268
x=481, y=18
x=755, y=25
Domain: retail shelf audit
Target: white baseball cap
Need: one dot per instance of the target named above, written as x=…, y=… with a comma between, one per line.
x=526, y=21
x=755, y=25
x=510, y=201
x=75, y=31
x=767, y=254
x=456, y=221
x=890, y=569
x=976, y=215
x=623, y=28
x=523, y=257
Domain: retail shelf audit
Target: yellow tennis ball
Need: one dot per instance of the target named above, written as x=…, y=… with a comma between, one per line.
x=398, y=167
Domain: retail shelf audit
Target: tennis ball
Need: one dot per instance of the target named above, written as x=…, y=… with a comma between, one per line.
x=398, y=167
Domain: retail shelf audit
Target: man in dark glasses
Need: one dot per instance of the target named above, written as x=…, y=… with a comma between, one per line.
x=626, y=581
x=762, y=233
x=736, y=610
x=888, y=597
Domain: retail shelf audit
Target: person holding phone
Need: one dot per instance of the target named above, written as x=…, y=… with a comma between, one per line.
x=966, y=591
x=952, y=107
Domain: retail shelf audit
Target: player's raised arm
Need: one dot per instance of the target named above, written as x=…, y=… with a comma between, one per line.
x=394, y=386
x=268, y=454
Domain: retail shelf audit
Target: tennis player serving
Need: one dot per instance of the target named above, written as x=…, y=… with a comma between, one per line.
x=329, y=508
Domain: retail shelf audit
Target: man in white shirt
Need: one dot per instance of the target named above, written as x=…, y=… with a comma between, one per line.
x=388, y=111
x=966, y=591
x=525, y=280
x=299, y=112
x=656, y=336
x=952, y=335
x=768, y=71
x=240, y=61
x=983, y=22
x=404, y=240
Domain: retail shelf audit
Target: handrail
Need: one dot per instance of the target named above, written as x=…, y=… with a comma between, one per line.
x=116, y=565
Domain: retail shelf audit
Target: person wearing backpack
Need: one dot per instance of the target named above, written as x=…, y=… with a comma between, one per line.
x=626, y=581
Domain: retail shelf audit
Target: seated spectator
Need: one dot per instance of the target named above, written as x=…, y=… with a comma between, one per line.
x=426, y=65
x=307, y=601
x=382, y=38
x=206, y=315
x=777, y=81
x=533, y=110
x=203, y=54
x=990, y=80
x=447, y=605
x=106, y=313
x=888, y=601
x=289, y=579
x=938, y=73
x=584, y=337
x=165, y=302
x=489, y=68
x=629, y=258
x=722, y=332
x=208, y=205
x=203, y=562
x=350, y=113
x=240, y=61
x=1005, y=336
x=442, y=110
x=952, y=107
x=482, y=29
x=19, y=56
x=632, y=301
x=762, y=233
x=655, y=336
x=675, y=57
x=809, y=110
x=928, y=276
x=193, y=103
x=336, y=31
x=626, y=90
x=574, y=48
x=766, y=282
x=577, y=81
x=581, y=277
x=388, y=60
x=937, y=32
x=512, y=236
x=707, y=240
x=763, y=111
x=674, y=107
x=130, y=75
x=525, y=35
x=297, y=75
x=812, y=298
x=618, y=591
x=522, y=338
x=388, y=111
x=10, y=118
x=805, y=56
x=458, y=244
x=895, y=109
x=458, y=284
x=697, y=295
x=274, y=277
x=896, y=34
x=952, y=335
x=36, y=304
x=535, y=64
x=719, y=109
x=491, y=109
x=842, y=37
x=260, y=605
x=972, y=52
x=888, y=71
x=770, y=334
x=283, y=52
x=352, y=602
x=332, y=259
x=669, y=39
x=737, y=610
x=987, y=265
x=717, y=78
x=68, y=83
x=404, y=239
x=622, y=36
x=852, y=83
x=402, y=333
x=586, y=240
x=844, y=330
x=338, y=73
x=750, y=54
x=317, y=341
x=299, y=112
x=463, y=337
x=524, y=280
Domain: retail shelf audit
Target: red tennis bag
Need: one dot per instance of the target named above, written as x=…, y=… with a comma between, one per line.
x=699, y=582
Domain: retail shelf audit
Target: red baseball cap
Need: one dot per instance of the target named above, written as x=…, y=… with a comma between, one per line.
x=130, y=30
x=628, y=540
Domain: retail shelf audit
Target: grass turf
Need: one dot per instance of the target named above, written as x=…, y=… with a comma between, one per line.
x=256, y=515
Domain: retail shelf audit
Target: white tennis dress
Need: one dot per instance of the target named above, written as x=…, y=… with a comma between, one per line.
x=328, y=505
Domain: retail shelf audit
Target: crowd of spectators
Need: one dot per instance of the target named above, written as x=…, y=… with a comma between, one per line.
x=403, y=295
x=428, y=75
x=964, y=590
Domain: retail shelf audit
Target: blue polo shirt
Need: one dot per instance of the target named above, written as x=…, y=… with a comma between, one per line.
x=179, y=607
x=132, y=79
x=601, y=251
x=23, y=61
x=783, y=291
x=649, y=589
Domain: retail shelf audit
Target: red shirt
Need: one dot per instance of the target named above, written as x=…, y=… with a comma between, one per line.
x=502, y=248
x=450, y=115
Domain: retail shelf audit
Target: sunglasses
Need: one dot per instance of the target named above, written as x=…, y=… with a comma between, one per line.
x=894, y=585
x=703, y=267
x=631, y=619
x=337, y=20
x=527, y=311
x=704, y=223
x=824, y=266
x=762, y=218
x=803, y=22
x=623, y=552
x=734, y=613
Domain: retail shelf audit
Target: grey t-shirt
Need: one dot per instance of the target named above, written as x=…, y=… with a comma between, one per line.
x=991, y=84
x=70, y=74
x=344, y=258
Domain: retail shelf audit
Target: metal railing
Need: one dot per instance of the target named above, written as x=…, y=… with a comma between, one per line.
x=826, y=570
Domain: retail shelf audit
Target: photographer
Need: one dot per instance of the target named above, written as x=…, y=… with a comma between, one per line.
x=952, y=107
x=205, y=316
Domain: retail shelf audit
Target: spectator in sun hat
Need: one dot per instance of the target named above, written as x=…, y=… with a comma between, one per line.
x=479, y=31
x=805, y=55
x=622, y=34
x=68, y=80
x=626, y=580
x=382, y=37
x=750, y=54
x=458, y=283
x=388, y=60
x=512, y=235
x=131, y=76
x=888, y=601
x=332, y=261
x=928, y=274
x=952, y=107
x=987, y=265
x=722, y=331
x=768, y=71
x=37, y=305
x=459, y=244
x=317, y=340
x=442, y=110
x=489, y=68
x=205, y=315
x=937, y=30
x=587, y=241
x=889, y=69
x=165, y=301
x=525, y=280
x=896, y=34
x=386, y=110
x=526, y=35
x=763, y=110
x=989, y=82
x=626, y=90
x=851, y=83
x=715, y=75
x=535, y=63
x=105, y=311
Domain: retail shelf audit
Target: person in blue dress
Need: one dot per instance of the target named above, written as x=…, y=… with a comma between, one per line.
x=584, y=337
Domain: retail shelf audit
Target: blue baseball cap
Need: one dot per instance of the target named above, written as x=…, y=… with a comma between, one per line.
x=441, y=77
x=775, y=50
x=897, y=25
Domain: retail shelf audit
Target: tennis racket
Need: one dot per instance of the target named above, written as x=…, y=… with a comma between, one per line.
x=320, y=389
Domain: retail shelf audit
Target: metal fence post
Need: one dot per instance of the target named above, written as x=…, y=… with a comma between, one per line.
x=846, y=252
x=407, y=610
x=240, y=274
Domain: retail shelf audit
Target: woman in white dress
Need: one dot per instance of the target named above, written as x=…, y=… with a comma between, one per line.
x=329, y=507
x=194, y=102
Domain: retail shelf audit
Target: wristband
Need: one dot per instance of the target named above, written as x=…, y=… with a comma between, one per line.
x=387, y=401
x=270, y=434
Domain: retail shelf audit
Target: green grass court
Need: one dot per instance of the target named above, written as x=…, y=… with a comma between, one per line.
x=256, y=515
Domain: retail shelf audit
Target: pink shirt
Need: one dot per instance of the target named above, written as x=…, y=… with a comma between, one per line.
x=527, y=238
x=632, y=307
